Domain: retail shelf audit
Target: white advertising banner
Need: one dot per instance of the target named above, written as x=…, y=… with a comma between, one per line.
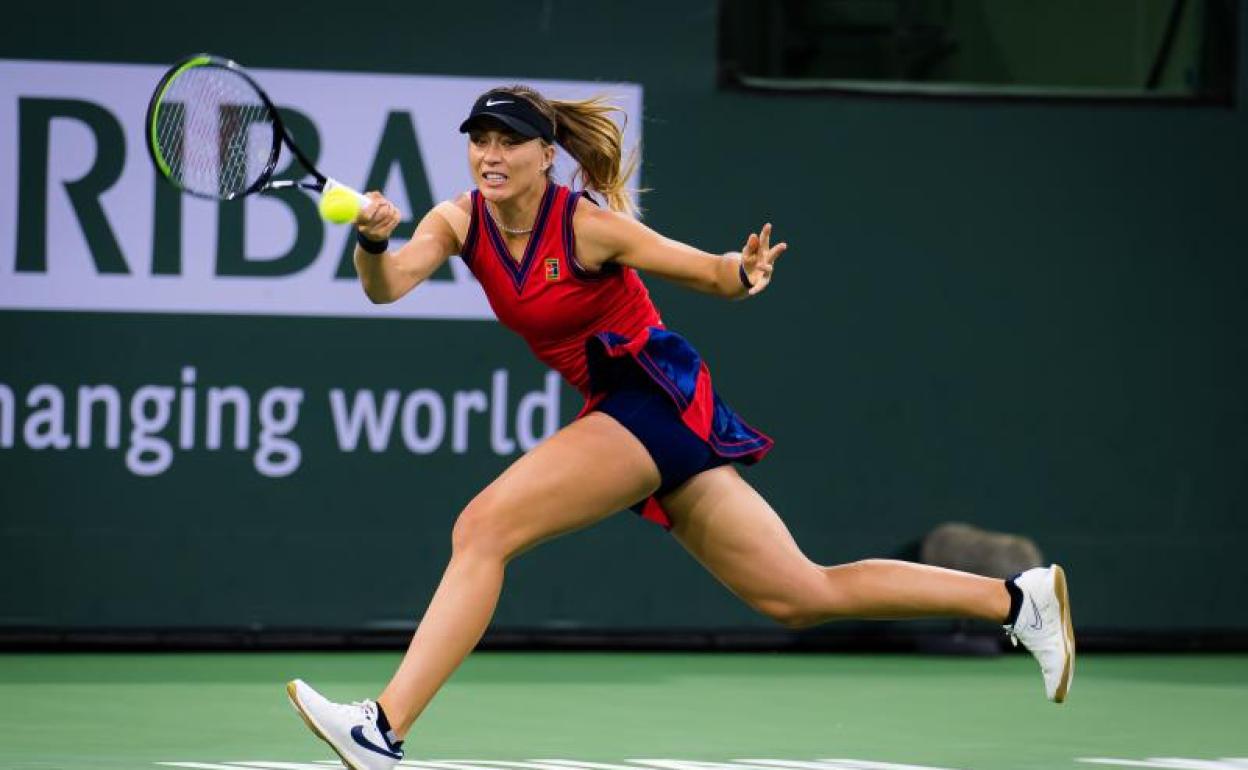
x=79, y=209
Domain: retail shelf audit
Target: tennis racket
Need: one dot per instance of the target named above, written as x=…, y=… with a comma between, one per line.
x=214, y=133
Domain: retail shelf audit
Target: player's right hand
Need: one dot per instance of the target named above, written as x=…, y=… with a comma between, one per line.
x=378, y=221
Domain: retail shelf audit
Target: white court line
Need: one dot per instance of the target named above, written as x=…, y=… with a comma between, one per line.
x=1172, y=763
x=579, y=765
x=199, y=765
x=1157, y=763
x=682, y=764
x=839, y=764
x=866, y=764
x=267, y=765
x=549, y=764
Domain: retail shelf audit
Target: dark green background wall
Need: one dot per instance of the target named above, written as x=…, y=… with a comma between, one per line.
x=1029, y=316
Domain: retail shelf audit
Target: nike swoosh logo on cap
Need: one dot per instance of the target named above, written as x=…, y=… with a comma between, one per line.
x=357, y=733
x=492, y=102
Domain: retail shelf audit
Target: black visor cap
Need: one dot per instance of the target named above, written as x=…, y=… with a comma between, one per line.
x=514, y=112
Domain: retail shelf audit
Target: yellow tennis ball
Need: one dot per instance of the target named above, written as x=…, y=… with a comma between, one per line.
x=339, y=206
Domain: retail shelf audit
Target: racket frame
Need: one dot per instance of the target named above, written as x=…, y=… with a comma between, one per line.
x=264, y=181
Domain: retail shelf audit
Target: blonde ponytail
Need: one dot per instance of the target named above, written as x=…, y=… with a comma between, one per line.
x=585, y=129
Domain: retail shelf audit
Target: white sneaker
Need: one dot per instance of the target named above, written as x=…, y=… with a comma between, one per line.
x=351, y=730
x=1043, y=626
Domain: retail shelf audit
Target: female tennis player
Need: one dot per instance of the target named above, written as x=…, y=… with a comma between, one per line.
x=562, y=272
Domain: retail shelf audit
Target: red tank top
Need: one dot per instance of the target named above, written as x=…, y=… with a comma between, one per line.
x=547, y=297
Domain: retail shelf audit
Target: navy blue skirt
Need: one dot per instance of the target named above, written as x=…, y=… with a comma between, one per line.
x=650, y=415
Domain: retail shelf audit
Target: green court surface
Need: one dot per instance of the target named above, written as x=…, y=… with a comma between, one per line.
x=658, y=711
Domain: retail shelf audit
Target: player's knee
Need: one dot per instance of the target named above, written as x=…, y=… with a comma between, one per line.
x=480, y=530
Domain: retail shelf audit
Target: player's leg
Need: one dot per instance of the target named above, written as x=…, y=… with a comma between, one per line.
x=581, y=475
x=586, y=472
x=732, y=530
x=728, y=527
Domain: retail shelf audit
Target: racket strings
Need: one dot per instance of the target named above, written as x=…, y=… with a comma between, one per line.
x=205, y=132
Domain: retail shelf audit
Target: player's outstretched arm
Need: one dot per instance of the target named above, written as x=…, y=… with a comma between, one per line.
x=388, y=276
x=605, y=236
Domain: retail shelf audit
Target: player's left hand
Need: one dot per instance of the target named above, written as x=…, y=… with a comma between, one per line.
x=758, y=257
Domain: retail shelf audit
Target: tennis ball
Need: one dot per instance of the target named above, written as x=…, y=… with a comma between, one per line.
x=339, y=206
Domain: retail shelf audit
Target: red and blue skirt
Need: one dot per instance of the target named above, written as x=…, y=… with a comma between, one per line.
x=658, y=387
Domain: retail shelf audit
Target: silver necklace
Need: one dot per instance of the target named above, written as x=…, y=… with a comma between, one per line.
x=505, y=228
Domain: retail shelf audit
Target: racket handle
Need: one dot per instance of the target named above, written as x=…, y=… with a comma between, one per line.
x=365, y=201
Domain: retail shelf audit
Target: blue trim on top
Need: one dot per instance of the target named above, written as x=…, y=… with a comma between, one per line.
x=520, y=272
x=569, y=236
x=474, y=230
x=569, y=242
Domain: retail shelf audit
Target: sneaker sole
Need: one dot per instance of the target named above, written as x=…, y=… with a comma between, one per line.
x=1068, y=633
x=316, y=729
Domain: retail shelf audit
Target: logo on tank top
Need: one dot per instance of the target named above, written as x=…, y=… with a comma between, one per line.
x=552, y=269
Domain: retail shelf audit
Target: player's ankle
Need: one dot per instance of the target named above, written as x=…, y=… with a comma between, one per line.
x=1016, y=602
x=384, y=726
x=384, y=722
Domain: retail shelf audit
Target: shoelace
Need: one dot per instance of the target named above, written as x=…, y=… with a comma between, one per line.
x=1009, y=631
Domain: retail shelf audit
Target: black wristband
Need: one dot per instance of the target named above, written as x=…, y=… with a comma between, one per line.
x=370, y=245
x=745, y=279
